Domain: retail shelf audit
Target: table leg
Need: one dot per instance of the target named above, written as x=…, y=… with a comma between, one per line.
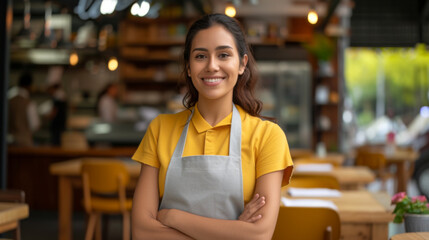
x=65, y=208
x=380, y=231
x=402, y=176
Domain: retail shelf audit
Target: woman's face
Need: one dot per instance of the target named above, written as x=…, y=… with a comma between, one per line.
x=214, y=63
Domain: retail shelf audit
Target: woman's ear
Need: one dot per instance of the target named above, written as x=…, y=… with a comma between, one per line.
x=243, y=64
x=188, y=71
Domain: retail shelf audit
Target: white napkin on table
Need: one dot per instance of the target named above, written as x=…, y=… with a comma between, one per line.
x=314, y=167
x=308, y=203
x=313, y=192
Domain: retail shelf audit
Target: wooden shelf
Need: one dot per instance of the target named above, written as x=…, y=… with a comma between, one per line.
x=150, y=51
x=160, y=43
x=331, y=136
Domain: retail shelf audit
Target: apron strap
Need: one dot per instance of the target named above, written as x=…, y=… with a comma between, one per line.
x=180, y=147
x=235, y=135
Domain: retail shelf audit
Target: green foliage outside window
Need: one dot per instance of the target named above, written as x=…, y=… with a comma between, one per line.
x=406, y=76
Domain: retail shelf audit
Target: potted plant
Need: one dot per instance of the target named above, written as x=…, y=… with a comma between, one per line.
x=322, y=48
x=414, y=212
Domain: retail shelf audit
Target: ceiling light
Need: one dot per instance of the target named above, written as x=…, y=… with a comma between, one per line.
x=230, y=10
x=312, y=16
x=112, y=65
x=108, y=6
x=140, y=10
x=73, y=59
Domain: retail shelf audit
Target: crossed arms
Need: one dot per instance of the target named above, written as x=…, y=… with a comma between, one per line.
x=257, y=221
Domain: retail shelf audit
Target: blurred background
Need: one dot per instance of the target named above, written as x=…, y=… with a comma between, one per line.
x=84, y=78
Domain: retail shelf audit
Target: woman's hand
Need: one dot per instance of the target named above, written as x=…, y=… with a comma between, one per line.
x=251, y=208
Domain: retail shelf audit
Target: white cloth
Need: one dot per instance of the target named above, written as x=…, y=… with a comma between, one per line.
x=308, y=203
x=313, y=192
x=316, y=167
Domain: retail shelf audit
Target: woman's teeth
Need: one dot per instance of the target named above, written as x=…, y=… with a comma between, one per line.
x=212, y=80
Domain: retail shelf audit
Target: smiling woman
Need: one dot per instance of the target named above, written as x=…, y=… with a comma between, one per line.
x=214, y=65
x=216, y=165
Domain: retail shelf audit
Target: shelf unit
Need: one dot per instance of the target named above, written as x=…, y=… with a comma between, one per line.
x=150, y=52
x=326, y=115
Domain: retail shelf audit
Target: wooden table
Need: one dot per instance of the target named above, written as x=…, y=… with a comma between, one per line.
x=299, y=153
x=362, y=216
x=69, y=176
x=404, y=162
x=402, y=158
x=350, y=178
x=411, y=236
x=11, y=214
x=336, y=159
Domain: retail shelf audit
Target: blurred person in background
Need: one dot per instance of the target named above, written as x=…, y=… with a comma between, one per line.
x=107, y=107
x=58, y=113
x=23, y=119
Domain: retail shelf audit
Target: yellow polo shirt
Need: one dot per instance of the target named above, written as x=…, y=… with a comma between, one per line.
x=264, y=147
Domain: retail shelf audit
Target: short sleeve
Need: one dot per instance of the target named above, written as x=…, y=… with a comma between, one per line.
x=274, y=154
x=147, y=151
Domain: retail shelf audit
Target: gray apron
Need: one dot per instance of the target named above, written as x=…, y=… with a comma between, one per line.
x=206, y=185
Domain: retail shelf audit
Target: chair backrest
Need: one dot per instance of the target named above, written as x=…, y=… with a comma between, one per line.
x=373, y=160
x=314, y=181
x=105, y=176
x=307, y=223
x=316, y=161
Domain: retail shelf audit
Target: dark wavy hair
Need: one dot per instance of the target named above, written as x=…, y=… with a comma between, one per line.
x=243, y=94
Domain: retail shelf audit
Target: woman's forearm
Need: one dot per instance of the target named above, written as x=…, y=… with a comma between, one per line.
x=209, y=228
x=150, y=228
x=145, y=208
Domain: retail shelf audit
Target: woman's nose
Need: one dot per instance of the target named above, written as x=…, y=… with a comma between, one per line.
x=212, y=64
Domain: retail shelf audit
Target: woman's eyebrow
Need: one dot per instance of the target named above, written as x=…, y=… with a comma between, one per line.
x=217, y=48
x=223, y=47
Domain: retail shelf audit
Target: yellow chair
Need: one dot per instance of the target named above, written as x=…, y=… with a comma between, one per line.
x=104, y=192
x=314, y=181
x=307, y=223
x=376, y=161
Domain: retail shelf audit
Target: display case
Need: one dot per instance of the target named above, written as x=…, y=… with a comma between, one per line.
x=285, y=90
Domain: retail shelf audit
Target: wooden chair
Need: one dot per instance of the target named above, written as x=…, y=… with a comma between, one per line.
x=307, y=223
x=314, y=181
x=16, y=196
x=104, y=192
x=376, y=162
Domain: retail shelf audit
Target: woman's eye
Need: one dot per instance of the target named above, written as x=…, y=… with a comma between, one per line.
x=223, y=55
x=200, y=56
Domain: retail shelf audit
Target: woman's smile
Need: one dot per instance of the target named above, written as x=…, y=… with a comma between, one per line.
x=212, y=81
